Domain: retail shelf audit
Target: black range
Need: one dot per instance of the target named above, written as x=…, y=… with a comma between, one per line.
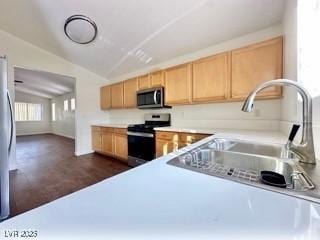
x=141, y=138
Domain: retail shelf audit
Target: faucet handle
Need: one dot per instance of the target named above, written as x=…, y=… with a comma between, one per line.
x=293, y=132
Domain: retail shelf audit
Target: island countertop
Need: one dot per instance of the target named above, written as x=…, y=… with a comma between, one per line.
x=159, y=201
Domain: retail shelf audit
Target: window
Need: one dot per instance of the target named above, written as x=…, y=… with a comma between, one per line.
x=66, y=105
x=73, y=104
x=308, y=45
x=28, y=111
x=53, y=111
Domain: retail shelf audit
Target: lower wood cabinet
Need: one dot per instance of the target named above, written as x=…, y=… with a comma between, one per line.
x=107, y=142
x=120, y=149
x=164, y=147
x=167, y=142
x=96, y=139
x=112, y=142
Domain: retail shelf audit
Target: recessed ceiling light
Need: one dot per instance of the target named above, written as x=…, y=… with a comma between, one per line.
x=80, y=29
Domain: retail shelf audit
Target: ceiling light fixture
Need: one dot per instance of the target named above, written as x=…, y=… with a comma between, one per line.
x=80, y=29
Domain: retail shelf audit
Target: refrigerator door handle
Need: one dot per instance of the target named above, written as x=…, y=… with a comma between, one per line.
x=11, y=121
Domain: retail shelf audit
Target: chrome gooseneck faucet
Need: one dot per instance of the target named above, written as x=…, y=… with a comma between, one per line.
x=306, y=147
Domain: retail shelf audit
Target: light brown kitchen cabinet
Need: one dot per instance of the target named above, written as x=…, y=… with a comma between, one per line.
x=167, y=142
x=164, y=147
x=211, y=78
x=224, y=77
x=157, y=79
x=178, y=84
x=255, y=64
x=107, y=141
x=130, y=93
x=105, y=98
x=117, y=95
x=96, y=138
x=144, y=82
x=110, y=141
x=120, y=146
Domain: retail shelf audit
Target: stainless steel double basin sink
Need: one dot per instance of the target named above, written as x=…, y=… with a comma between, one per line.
x=244, y=161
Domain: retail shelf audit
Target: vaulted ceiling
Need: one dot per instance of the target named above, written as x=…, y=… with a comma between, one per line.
x=42, y=84
x=134, y=34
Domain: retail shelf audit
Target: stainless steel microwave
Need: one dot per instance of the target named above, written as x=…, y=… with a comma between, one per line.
x=150, y=98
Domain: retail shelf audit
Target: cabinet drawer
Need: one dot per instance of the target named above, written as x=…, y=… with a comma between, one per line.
x=120, y=131
x=107, y=129
x=191, y=137
x=169, y=136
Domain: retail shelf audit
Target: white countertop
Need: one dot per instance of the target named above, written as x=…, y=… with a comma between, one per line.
x=265, y=136
x=110, y=125
x=159, y=201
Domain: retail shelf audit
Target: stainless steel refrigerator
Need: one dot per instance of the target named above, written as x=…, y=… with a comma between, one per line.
x=6, y=134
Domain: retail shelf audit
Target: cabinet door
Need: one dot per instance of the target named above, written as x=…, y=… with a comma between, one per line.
x=157, y=79
x=178, y=84
x=190, y=138
x=117, y=95
x=121, y=146
x=96, y=139
x=130, y=93
x=107, y=142
x=164, y=147
x=211, y=78
x=105, y=98
x=144, y=82
x=254, y=65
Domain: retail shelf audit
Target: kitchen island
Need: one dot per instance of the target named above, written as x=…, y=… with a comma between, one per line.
x=160, y=201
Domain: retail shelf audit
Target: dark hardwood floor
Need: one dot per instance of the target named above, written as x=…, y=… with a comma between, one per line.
x=48, y=169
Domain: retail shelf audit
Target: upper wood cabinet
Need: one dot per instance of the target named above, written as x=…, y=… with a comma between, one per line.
x=105, y=98
x=178, y=84
x=130, y=93
x=117, y=95
x=157, y=79
x=255, y=64
x=224, y=77
x=211, y=78
x=144, y=82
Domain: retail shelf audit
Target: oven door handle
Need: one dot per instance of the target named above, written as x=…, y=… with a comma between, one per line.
x=138, y=134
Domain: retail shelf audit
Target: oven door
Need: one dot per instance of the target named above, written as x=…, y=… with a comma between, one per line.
x=141, y=148
x=150, y=98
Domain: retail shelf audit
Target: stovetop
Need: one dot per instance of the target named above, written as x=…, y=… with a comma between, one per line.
x=147, y=127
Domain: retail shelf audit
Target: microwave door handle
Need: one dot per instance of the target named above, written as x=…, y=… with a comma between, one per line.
x=155, y=97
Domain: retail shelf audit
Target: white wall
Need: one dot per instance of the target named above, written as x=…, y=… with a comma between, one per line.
x=65, y=120
x=34, y=127
x=218, y=115
x=291, y=107
x=23, y=54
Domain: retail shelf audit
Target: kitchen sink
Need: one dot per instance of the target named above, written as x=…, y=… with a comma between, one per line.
x=244, y=161
x=254, y=148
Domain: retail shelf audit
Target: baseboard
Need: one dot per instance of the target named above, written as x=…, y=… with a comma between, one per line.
x=83, y=152
x=63, y=135
x=30, y=134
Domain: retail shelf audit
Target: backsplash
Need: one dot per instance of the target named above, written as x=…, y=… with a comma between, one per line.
x=265, y=116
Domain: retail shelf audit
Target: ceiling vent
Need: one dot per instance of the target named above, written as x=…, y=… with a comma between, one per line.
x=80, y=29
